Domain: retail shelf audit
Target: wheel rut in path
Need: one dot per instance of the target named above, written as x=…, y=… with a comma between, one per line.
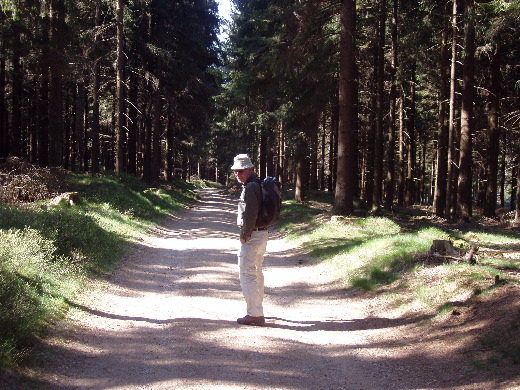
x=167, y=320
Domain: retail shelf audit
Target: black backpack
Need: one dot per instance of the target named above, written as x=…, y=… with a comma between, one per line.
x=269, y=212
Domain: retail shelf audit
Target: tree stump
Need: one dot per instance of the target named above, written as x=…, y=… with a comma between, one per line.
x=444, y=248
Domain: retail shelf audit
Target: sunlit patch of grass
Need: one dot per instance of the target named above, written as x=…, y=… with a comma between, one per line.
x=435, y=288
x=47, y=252
x=379, y=260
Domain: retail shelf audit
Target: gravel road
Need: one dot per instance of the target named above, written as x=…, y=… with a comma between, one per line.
x=167, y=320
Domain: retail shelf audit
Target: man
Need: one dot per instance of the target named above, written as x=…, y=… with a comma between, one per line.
x=253, y=241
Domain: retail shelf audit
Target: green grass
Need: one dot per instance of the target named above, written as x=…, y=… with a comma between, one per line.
x=47, y=253
x=371, y=252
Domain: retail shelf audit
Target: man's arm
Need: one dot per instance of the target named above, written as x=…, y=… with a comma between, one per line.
x=253, y=197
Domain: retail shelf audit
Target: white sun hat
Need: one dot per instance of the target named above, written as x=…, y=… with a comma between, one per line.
x=242, y=161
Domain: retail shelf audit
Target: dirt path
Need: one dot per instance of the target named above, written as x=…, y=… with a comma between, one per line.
x=167, y=320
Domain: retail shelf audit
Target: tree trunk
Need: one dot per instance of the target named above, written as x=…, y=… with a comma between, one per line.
x=70, y=124
x=409, y=197
x=333, y=145
x=133, y=124
x=503, y=181
x=96, y=83
x=147, y=150
x=344, y=196
x=451, y=173
x=323, y=161
x=314, y=176
x=80, y=126
x=464, y=195
x=4, y=147
x=517, y=213
x=402, y=151
x=439, y=201
x=119, y=130
x=157, y=129
x=15, y=139
x=170, y=138
x=281, y=153
x=515, y=183
x=493, y=112
x=301, y=169
x=379, y=149
x=390, y=173
x=262, y=163
x=57, y=69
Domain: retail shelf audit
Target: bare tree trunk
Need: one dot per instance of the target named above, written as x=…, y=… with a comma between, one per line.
x=439, y=202
x=80, y=125
x=86, y=127
x=96, y=83
x=379, y=149
x=133, y=124
x=15, y=139
x=451, y=122
x=313, y=177
x=493, y=113
x=323, y=151
x=464, y=195
x=301, y=169
x=503, y=181
x=344, y=196
x=390, y=173
x=515, y=184
x=4, y=147
x=402, y=151
x=56, y=131
x=281, y=153
x=517, y=213
x=409, y=196
x=169, y=164
x=157, y=128
x=119, y=130
x=261, y=170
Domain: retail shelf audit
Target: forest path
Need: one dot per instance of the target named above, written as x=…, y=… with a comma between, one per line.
x=167, y=320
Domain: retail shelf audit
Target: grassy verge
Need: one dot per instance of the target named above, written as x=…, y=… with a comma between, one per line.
x=47, y=253
x=389, y=256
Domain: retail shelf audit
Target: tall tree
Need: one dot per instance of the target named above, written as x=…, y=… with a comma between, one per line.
x=120, y=129
x=439, y=202
x=493, y=113
x=380, y=77
x=451, y=173
x=344, y=195
x=390, y=172
x=467, y=120
x=59, y=35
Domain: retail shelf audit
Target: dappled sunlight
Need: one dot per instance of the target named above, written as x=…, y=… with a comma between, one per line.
x=167, y=320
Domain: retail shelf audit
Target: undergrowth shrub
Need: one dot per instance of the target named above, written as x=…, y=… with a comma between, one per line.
x=48, y=251
x=34, y=283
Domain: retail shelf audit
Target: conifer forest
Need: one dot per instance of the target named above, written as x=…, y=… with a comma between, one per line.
x=383, y=103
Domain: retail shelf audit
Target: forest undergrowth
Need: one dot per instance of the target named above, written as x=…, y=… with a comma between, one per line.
x=60, y=231
x=389, y=257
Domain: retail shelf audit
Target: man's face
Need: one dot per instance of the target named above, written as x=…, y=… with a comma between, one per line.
x=243, y=175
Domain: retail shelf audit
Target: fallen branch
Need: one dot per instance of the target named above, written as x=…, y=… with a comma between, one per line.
x=469, y=256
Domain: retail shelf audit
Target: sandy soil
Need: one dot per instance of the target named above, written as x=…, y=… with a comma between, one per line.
x=167, y=320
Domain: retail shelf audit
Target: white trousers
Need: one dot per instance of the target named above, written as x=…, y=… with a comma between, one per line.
x=250, y=259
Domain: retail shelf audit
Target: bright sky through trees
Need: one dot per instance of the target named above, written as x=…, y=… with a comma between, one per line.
x=224, y=10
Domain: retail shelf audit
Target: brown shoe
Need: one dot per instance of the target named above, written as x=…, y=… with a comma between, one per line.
x=249, y=320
